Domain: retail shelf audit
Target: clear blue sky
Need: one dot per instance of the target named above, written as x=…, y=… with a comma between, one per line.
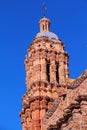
x=18, y=27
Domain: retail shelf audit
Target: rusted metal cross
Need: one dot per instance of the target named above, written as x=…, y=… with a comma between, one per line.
x=44, y=9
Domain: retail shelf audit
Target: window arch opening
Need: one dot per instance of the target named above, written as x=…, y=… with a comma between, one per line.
x=48, y=71
x=57, y=73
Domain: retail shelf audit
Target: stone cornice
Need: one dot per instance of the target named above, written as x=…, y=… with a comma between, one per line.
x=39, y=98
x=43, y=39
x=31, y=100
x=46, y=84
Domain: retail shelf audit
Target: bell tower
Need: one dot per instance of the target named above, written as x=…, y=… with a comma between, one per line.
x=46, y=68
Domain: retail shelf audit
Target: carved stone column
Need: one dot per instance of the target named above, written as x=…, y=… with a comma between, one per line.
x=43, y=65
x=43, y=108
x=61, y=69
x=35, y=108
x=37, y=67
x=66, y=65
x=26, y=63
x=34, y=69
x=52, y=67
x=29, y=72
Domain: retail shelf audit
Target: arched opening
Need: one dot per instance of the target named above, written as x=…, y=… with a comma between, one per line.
x=43, y=27
x=57, y=73
x=48, y=71
x=46, y=27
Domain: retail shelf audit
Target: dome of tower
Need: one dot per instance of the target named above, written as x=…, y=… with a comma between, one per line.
x=45, y=30
x=50, y=35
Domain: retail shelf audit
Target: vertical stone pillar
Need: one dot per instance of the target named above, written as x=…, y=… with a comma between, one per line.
x=31, y=79
x=26, y=63
x=43, y=71
x=52, y=72
x=61, y=69
x=66, y=66
x=43, y=65
x=37, y=67
x=52, y=67
x=43, y=108
x=35, y=107
x=34, y=69
x=29, y=72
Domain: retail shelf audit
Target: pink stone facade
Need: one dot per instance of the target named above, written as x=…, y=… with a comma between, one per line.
x=52, y=100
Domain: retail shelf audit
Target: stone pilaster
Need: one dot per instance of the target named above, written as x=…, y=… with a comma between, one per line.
x=52, y=67
x=43, y=109
x=38, y=67
x=61, y=73
x=43, y=65
x=66, y=66
x=34, y=107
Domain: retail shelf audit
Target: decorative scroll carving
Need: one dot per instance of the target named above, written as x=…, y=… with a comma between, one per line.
x=53, y=108
x=78, y=81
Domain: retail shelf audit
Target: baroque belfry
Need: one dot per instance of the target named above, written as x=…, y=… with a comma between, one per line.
x=52, y=100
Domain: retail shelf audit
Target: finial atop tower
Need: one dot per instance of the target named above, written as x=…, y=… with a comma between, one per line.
x=44, y=25
x=44, y=22
x=44, y=8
